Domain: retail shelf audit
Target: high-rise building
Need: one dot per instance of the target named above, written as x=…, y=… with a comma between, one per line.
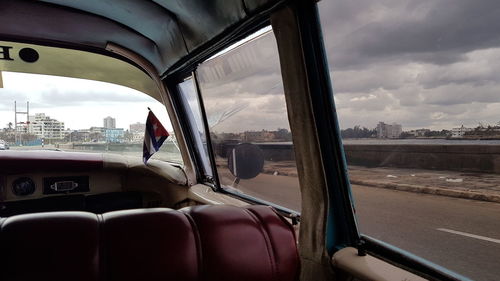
x=109, y=122
x=45, y=127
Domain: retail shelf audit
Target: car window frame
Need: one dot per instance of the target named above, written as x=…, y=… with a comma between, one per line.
x=185, y=123
x=212, y=181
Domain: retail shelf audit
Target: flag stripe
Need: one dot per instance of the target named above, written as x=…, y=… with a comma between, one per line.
x=151, y=135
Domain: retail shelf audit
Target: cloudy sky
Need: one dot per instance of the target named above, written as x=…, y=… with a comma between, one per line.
x=79, y=103
x=421, y=63
x=243, y=90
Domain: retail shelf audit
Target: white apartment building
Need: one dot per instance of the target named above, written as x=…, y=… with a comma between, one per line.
x=389, y=131
x=45, y=127
x=460, y=131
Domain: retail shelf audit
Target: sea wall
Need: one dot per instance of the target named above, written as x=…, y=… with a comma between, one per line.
x=452, y=157
x=271, y=151
x=466, y=158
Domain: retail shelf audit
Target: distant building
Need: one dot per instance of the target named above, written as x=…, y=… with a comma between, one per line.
x=82, y=135
x=460, y=131
x=96, y=134
x=114, y=135
x=45, y=127
x=137, y=132
x=389, y=131
x=257, y=136
x=101, y=130
x=137, y=137
x=109, y=122
x=138, y=127
x=419, y=132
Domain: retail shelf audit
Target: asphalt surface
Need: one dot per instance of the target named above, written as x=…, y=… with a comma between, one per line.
x=459, y=234
x=421, y=224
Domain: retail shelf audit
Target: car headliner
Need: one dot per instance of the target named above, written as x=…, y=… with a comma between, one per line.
x=164, y=32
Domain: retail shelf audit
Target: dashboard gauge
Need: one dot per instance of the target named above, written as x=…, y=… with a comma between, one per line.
x=23, y=186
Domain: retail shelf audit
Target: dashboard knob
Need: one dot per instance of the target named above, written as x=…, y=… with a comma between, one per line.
x=23, y=186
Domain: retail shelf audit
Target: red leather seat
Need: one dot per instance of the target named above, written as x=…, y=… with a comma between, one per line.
x=199, y=243
x=243, y=244
x=149, y=244
x=50, y=246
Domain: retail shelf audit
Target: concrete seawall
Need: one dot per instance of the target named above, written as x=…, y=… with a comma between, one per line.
x=272, y=151
x=450, y=157
x=465, y=158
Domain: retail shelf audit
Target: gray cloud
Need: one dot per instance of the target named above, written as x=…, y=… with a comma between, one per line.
x=77, y=97
x=426, y=63
x=421, y=63
x=438, y=32
x=58, y=97
x=8, y=98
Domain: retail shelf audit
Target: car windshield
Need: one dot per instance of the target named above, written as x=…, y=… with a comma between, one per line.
x=42, y=112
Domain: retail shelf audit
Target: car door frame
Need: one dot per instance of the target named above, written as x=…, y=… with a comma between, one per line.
x=299, y=21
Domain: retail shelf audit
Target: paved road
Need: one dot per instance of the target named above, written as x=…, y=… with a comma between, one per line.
x=425, y=225
x=412, y=221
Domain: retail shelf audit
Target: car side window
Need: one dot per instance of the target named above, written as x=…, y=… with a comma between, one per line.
x=416, y=90
x=243, y=96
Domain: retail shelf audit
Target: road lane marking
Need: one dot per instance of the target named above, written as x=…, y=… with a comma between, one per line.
x=470, y=235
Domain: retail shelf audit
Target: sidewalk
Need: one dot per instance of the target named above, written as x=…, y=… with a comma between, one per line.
x=475, y=186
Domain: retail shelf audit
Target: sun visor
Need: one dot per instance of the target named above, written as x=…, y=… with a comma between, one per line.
x=28, y=58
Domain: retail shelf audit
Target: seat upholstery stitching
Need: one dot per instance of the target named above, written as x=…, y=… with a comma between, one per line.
x=290, y=227
x=102, y=251
x=199, y=250
x=269, y=245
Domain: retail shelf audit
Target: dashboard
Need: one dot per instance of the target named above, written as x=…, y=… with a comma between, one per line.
x=37, y=185
x=42, y=181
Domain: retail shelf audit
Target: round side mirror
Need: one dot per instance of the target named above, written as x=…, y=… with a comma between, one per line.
x=245, y=161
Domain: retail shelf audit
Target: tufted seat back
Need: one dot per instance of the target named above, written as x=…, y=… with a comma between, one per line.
x=197, y=243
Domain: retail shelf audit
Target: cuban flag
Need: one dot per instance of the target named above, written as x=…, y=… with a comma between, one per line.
x=154, y=136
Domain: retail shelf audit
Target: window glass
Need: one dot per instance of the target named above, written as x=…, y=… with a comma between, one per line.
x=191, y=104
x=417, y=93
x=243, y=96
x=43, y=112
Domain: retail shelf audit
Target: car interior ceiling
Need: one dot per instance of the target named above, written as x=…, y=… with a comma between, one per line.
x=187, y=26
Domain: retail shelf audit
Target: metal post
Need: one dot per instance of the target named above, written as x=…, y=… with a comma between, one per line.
x=18, y=136
x=15, y=122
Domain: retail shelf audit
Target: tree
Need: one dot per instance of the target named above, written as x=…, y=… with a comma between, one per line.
x=406, y=135
x=357, y=132
x=439, y=134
